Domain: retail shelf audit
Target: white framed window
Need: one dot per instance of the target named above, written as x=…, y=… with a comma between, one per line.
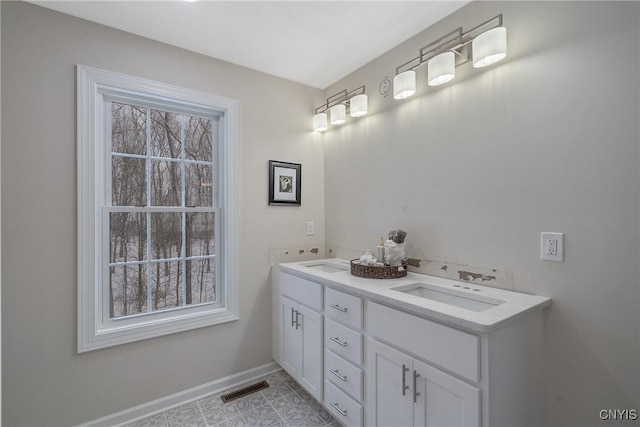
x=157, y=209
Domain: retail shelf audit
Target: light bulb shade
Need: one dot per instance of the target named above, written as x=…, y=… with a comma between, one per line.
x=358, y=105
x=404, y=84
x=441, y=69
x=338, y=114
x=320, y=122
x=489, y=47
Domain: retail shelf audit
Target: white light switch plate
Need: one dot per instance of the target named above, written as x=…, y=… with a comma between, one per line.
x=552, y=246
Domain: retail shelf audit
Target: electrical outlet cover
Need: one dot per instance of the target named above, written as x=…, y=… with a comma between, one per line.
x=552, y=246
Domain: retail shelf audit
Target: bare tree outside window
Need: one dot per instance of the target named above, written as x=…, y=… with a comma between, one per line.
x=160, y=258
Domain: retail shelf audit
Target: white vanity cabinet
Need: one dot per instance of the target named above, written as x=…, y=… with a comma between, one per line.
x=375, y=356
x=405, y=388
x=299, y=331
x=405, y=391
x=428, y=374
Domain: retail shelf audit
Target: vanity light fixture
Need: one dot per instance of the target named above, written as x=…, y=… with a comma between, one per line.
x=338, y=114
x=489, y=47
x=441, y=69
x=486, y=43
x=359, y=105
x=320, y=122
x=404, y=84
x=355, y=101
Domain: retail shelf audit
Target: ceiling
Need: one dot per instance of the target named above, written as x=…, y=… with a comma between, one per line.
x=311, y=42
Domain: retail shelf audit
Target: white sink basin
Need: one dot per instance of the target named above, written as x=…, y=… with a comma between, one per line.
x=327, y=268
x=456, y=298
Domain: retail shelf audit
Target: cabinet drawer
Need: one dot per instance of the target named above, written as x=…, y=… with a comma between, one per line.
x=341, y=406
x=343, y=307
x=343, y=374
x=448, y=347
x=301, y=290
x=343, y=341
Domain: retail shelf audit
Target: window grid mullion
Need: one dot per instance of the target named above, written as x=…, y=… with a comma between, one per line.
x=215, y=167
x=107, y=197
x=148, y=214
x=148, y=156
x=159, y=209
x=218, y=193
x=165, y=159
x=159, y=261
x=183, y=253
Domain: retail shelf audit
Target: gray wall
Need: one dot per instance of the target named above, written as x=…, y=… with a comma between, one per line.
x=44, y=381
x=548, y=140
x=0, y=216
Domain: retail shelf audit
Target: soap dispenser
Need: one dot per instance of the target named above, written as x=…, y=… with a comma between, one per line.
x=380, y=251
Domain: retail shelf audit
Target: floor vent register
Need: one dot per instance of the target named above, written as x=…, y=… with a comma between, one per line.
x=244, y=391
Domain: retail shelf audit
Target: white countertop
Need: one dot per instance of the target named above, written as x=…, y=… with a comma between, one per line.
x=513, y=306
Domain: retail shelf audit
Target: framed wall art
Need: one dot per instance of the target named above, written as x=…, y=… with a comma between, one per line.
x=285, y=183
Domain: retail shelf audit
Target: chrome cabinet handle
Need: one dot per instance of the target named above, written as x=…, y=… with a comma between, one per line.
x=337, y=374
x=337, y=307
x=293, y=322
x=404, y=380
x=415, y=389
x=337, y=341
x=337, y=408
x=297, y=322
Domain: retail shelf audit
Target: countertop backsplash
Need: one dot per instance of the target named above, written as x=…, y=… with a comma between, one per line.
x=448, y=269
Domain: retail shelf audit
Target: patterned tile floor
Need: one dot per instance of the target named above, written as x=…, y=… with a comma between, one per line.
x=283, y=404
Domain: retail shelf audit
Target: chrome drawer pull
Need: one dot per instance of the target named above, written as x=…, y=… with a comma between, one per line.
x=337, y=408
x=337, y=341
x=293, y=322
x=337, y=307
x=404, y=380
x=415, y=388
x=337, y=374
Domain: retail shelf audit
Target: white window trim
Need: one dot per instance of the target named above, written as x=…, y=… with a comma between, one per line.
x=92, y=333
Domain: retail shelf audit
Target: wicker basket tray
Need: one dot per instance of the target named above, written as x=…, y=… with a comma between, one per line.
x=378, y=272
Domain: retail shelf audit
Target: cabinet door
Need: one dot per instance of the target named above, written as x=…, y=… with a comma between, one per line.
x=443, y=400
x=390, y=396
x=311, y=370
x=291, y=331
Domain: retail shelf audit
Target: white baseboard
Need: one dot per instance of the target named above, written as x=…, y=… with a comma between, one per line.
x=186, y=396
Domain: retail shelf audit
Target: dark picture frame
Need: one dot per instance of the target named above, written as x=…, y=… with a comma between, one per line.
x=285, y=183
